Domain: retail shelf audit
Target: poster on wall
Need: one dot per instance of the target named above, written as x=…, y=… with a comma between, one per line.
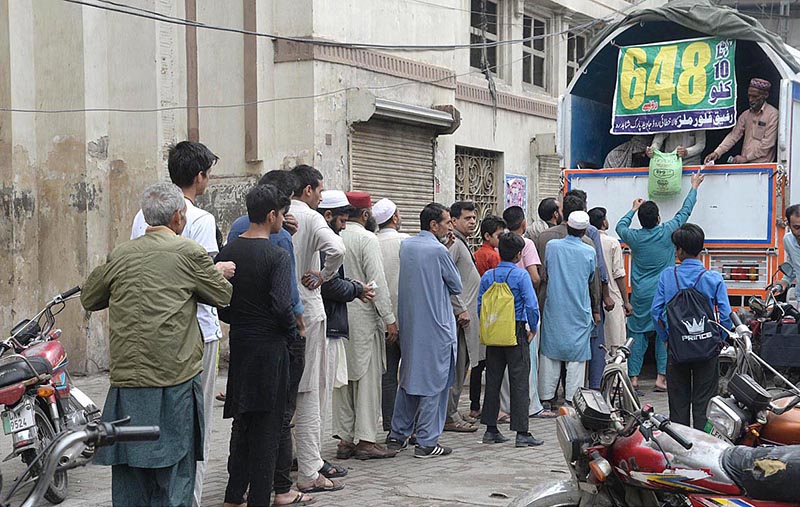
x=675, y=87
x=516, y=191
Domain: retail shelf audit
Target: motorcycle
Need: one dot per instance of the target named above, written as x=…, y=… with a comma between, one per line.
x=750, y=414
x=36, y=392
x=770, y=309
x=94, y=434
x=622, y=454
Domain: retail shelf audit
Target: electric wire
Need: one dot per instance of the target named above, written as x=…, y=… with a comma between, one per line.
x=406, y=82
x=319, y=42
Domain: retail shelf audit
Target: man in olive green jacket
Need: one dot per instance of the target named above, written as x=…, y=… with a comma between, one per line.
x=151, y=286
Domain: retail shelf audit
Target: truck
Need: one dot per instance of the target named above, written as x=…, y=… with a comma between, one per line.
x=739, y=206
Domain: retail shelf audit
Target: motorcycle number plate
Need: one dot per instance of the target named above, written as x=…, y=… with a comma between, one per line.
x=18, y=419
x=714, y=432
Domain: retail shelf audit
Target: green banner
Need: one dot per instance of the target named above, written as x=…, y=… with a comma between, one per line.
x=675, y=86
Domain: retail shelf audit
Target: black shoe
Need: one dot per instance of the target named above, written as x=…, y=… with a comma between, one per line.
x=527, y=441
x=395, y=444
x=494, y=438
x=431, y=452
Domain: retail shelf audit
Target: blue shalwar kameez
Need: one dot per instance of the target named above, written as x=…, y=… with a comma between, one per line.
x=571, y=265
x=653, y=252
x=427, y=338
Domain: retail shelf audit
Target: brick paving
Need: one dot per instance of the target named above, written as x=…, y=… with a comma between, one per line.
x=475, y=474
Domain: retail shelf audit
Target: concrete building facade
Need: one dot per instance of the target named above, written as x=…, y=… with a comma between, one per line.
x=90, y=99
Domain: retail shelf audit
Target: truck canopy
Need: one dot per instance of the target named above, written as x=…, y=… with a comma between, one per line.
x=585, y=109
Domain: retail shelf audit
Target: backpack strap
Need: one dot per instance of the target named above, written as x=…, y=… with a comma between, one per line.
x=507, y=275
x=677, y=282
x=698, y=278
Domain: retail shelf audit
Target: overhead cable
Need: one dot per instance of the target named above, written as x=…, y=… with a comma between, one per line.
x=126, y=9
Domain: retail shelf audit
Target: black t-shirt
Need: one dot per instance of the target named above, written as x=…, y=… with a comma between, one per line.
x=262, y=289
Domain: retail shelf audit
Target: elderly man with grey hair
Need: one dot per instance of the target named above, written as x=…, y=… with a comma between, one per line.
x=151, y=287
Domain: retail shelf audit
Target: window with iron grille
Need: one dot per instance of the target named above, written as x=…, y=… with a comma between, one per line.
x=576, y=50
x=476, y=33
x=477, y=173
x=534, y=52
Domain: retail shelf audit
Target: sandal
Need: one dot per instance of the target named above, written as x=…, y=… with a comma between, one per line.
x=460, y=427
x=506, y=419
x=659, y=389
x=467, y=417
x=300, y=499
x=323, y=488
x=332, y=471
x=545, y=414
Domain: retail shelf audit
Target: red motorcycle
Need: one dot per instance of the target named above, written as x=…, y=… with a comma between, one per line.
x=38, y=398
x=622, y=454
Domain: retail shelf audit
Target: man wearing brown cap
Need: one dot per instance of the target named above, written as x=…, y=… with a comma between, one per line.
x=357, y=405
x=758, y=125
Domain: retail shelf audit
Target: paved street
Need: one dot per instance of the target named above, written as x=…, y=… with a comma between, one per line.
x=475, y=474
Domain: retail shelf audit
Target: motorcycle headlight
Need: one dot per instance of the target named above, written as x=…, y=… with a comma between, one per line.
x=726, y=417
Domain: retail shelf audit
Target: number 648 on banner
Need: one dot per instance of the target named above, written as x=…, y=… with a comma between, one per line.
x=675, y=86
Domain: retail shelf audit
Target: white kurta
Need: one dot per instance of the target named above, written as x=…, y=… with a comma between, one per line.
x=390, y=240
x=367, y=321
x=614, y=326
x=313, y=236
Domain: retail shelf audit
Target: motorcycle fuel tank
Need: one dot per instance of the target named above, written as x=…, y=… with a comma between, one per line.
x=53, y=351
x=697, y=470
x=782, y=429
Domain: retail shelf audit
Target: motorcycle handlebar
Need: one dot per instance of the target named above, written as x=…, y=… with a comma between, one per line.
x=663, y=424
x=735, y=319
x=71, y=292
x=136, y=433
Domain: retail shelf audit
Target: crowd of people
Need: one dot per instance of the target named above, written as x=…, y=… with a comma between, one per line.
x=336, y=314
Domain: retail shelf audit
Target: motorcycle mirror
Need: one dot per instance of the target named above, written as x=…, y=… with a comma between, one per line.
x=786, y=268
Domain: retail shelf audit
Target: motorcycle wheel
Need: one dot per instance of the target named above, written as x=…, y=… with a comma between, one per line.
x=57, y=489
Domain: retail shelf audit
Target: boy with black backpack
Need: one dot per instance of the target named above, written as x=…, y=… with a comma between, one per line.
x=506, y=303
x=688, y=301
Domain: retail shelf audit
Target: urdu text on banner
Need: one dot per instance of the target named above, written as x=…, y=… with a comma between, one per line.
x=675, y=87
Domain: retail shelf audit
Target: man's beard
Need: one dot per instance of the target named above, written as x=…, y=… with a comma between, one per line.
x=332, y=225
x=756, y=106
x=371, y=225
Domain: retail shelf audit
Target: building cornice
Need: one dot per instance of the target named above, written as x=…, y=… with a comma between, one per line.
x=287, y=51
x=509, y=102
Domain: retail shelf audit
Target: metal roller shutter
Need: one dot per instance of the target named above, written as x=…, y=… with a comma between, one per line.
x=395, y=161
x=549, y=177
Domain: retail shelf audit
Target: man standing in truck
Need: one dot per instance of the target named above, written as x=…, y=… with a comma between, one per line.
x=758, y=125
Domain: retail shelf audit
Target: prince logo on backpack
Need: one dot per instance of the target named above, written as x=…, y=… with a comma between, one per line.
x=689, y=324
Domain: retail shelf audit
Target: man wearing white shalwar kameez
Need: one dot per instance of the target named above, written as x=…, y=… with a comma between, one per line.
x=313, y=236
x=357, y=405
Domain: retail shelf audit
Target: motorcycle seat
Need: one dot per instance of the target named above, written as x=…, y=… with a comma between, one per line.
x=17, y=370
x=765, y=473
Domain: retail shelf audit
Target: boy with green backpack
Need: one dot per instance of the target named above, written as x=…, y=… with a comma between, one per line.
x=506, y=304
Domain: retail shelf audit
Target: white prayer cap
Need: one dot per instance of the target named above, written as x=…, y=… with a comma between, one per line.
x=332, y=199
x=383, y=210
x=578, y=220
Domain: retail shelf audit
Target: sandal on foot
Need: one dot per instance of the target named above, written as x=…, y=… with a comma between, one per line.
x=300, y=499
x=460, y=427
x=506, y=419
x=545, y=414
x=317, y=488
x=332, y=471
x=468, y=418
